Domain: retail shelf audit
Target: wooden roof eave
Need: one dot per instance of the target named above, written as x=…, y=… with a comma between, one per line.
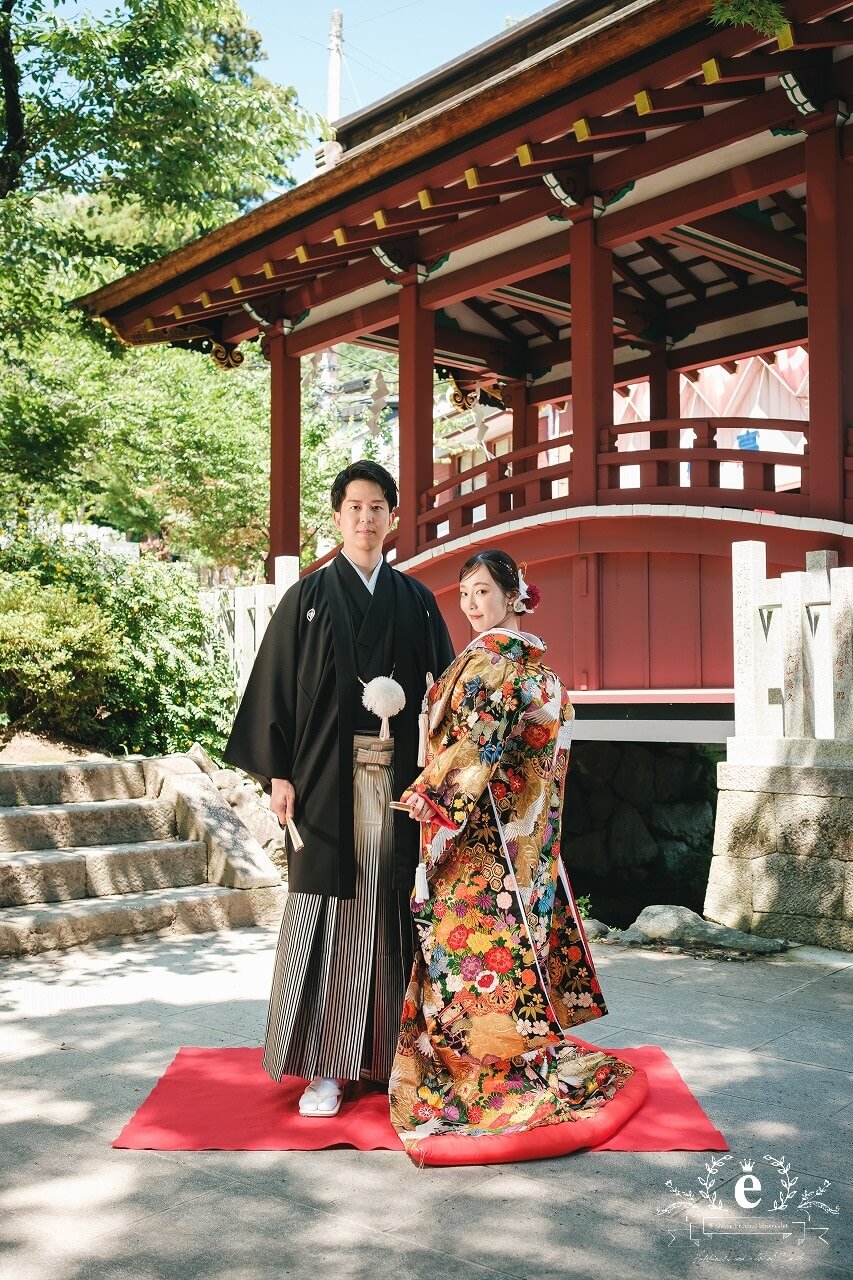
x=610, y=41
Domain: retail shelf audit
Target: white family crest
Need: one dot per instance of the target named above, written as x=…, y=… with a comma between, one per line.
x=310, y=614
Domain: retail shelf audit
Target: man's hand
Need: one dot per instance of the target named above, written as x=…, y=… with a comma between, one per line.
x=282, y=799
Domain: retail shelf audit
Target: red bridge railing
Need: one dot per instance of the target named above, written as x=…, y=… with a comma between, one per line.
x=537, y=478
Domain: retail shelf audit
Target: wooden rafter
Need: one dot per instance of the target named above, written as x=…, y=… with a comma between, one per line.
x=485, y=312
x=793, y=210
x=681, y=274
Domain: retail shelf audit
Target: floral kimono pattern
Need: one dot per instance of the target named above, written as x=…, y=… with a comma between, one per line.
x=503, y=970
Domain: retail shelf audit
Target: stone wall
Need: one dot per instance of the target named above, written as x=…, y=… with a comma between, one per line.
x=638, y=824
x=783, y=853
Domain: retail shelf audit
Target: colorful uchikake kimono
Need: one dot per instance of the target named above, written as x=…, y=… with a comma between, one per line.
x=503, y=971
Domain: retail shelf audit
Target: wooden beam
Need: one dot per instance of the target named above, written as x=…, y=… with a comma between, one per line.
x=743, y=242
x=622, y=123
x=484, y=312
x=515, y=264
x=693, y=94
x=709, y=195
x=681, y=320
x=738, y=346
x=712, y=133
x=342, y=328
x=814, y=35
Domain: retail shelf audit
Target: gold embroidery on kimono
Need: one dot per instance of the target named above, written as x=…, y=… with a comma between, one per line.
x=503, y=972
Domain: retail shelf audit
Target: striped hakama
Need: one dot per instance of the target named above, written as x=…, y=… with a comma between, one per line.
x=342, y=964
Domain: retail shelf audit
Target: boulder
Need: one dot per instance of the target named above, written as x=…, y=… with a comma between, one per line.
x=595, y=929
x=690, y=823
x=680, y=924
x=630, y=844
x=634, y=779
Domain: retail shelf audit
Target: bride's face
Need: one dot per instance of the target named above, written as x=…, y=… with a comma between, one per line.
x=483, y=602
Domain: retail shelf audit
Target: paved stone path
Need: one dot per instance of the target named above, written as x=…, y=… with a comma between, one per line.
x=84, y=1035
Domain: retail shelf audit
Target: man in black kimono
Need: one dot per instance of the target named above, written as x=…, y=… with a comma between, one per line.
x=345, y=946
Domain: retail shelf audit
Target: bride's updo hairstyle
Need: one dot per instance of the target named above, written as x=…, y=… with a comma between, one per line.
x=507, y=575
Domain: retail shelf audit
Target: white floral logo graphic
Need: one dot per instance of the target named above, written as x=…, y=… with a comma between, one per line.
x=765, y=1206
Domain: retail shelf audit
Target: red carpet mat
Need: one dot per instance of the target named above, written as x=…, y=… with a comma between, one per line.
x=222, y=1100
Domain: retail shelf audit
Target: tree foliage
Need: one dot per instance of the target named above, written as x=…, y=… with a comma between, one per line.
x=119, y=655
x=156, y=107
x=766, y=16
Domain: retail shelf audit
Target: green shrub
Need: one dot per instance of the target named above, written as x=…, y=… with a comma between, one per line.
x=168, y=682
x=57, y=657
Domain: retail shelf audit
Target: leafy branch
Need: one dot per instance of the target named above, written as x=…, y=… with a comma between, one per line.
x=788, y=1184
x=766, y=16
x=813, y=1200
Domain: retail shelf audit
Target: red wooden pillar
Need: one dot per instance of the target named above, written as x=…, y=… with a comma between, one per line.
x=829, y=216
x=592, y=356
x=664, y=405
x=285, y=441
x=525, y=431
x=417, y=357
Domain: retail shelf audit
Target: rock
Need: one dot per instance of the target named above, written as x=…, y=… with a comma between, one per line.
x=263, y=826
x=202, y=759
x=226, y=778
x=600, y=802
x=576, y=818
x=630, y=844
x=596, y=760
x=595, y=929
x=670, y=774
x=680, y=924
x=634, y=780
x=632, y=937
x=677, y=856
x=587, y=853
x=691, y=823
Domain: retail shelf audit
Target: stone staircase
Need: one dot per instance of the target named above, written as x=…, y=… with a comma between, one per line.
x=101, y=849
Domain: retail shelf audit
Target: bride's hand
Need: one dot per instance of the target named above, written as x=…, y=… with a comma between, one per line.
x=419, y=810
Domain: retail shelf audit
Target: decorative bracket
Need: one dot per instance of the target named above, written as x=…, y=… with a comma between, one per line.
x=398, y=268
x=572, y=193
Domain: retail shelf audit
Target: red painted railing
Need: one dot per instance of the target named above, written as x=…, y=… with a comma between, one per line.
x=537, y=478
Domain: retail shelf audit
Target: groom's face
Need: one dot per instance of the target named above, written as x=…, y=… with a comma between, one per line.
x=364, y=518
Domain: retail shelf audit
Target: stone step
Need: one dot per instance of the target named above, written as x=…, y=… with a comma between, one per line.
x=195, y=909
x=102, y=822
x=61, y=875
x=71, y=783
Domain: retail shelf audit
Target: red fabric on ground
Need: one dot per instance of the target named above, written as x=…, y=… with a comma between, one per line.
x=223, y=1100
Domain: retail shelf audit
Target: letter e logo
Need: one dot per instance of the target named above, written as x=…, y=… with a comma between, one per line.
x=748, y=1182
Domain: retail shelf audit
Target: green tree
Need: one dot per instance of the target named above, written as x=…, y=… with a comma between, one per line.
x=155, y=107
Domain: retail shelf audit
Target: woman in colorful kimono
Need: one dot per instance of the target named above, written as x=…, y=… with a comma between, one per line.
x=503, y=970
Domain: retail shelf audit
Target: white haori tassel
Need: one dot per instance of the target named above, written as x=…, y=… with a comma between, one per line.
x=423, y=724
x=385, y=698
x=421, y=883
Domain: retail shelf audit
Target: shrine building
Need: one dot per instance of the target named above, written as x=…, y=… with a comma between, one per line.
x=585, y=220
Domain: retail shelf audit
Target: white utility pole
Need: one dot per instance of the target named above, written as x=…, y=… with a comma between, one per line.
x=336, y=40
x=333, y=112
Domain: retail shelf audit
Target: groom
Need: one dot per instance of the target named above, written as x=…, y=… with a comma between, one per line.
x=345, y=950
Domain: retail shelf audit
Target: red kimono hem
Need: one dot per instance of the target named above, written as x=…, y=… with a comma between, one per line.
x=543, y=1142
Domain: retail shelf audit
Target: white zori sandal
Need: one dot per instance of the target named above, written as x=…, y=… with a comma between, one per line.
x=322, y=1098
